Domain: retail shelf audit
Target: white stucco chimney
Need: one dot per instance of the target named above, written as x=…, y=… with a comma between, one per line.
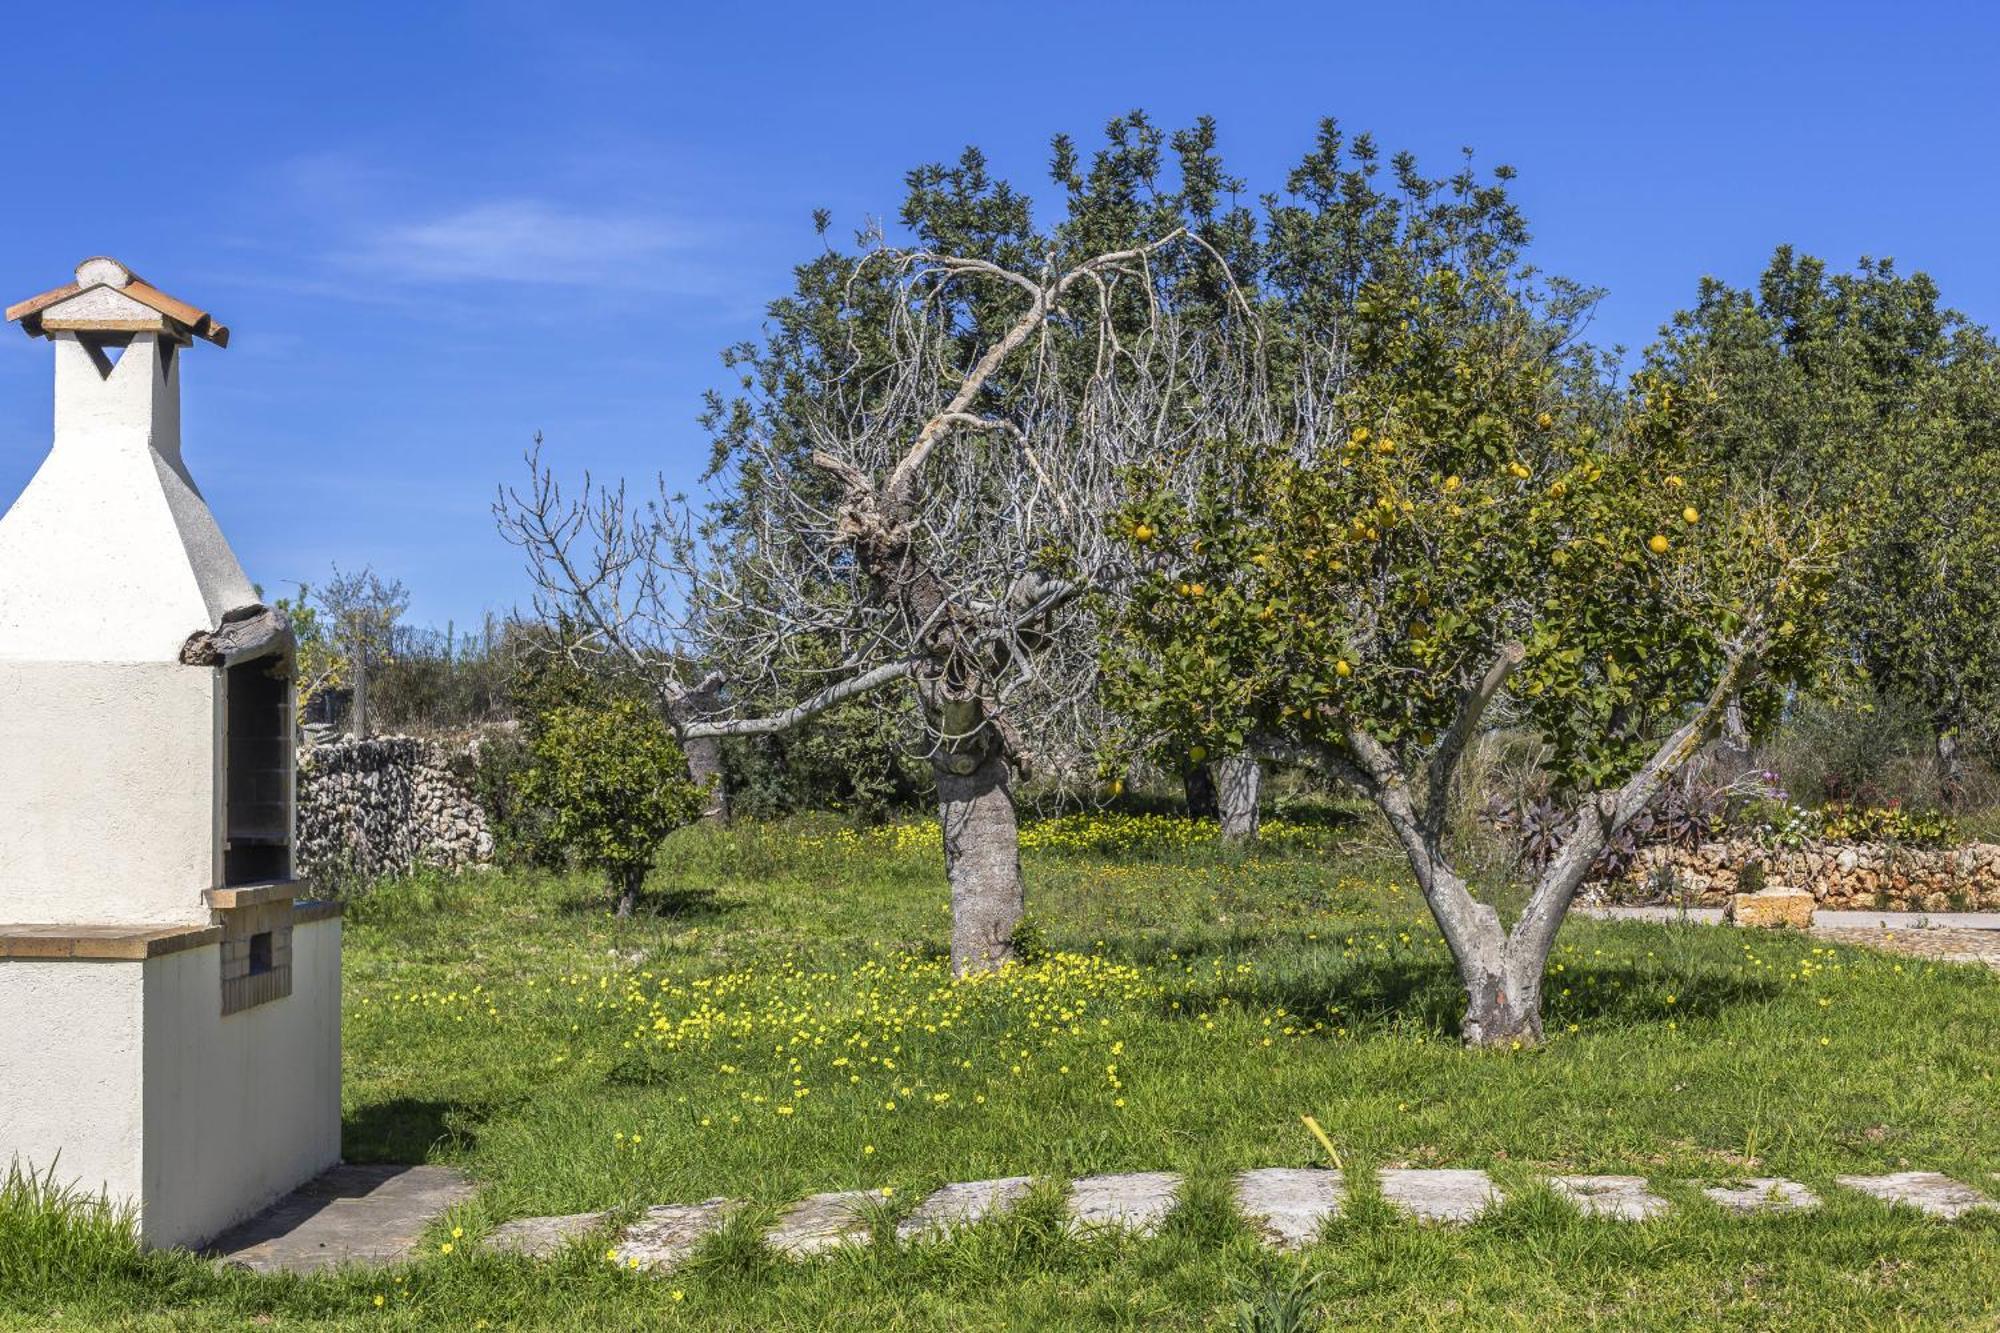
x=126, y=558
x=169, y=1005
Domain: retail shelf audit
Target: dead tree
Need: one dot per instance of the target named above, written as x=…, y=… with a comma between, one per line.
x=929, y=509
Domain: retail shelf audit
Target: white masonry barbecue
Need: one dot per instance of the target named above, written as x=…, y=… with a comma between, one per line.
x=169, y=1014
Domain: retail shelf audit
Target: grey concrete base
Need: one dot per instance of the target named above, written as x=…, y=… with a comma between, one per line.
x=668, y=1234
x=1290, y=1204
x=1439, y=1196
x=1929, y=1192
x=1623, y=1198
x=367, y=1216
x=821, y=1222
x=1764, y=1194
x=961, y=1205
x=1138, y=1201
x=541, y=1237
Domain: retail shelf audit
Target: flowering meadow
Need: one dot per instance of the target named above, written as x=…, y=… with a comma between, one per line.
x=779, y=1020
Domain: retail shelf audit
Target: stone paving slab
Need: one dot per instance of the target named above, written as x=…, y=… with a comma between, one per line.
x=1439, y=1195
x=1929, y=1192
x=541, y=1237
x=368, y=1216
x=821, y=1222
x=961, y=1205
x=1622, y=1198
x=1764, y=1194
x=1289, y=1204
x=1136, y=1201
x=668, y=1233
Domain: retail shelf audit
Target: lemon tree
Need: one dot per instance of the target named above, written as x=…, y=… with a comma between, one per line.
x=1463, y=517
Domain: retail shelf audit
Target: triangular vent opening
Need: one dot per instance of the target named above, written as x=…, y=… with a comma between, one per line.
x=105, y=349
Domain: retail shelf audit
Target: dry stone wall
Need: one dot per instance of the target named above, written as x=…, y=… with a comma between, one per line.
x=384, y=806
x=1862, y=875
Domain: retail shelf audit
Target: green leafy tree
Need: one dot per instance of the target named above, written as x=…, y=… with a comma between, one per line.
x=614, y=782
x=1862, y=394
x=1448, y=525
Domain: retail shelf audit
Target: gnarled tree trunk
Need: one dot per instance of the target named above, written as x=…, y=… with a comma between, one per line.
x=982, y=852
x=704, y=756
x=1239, y=785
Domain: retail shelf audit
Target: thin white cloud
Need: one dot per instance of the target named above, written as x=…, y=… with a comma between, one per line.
x=523, y=241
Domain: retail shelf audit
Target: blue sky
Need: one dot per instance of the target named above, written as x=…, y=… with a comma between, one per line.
x=436, y=228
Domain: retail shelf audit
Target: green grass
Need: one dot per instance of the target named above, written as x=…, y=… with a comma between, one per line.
x=748, y=1037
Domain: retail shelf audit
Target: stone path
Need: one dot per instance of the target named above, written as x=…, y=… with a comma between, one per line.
x=1925, y=1191
x=1290, y=1204
x=1764, y=1194
x=1439, y=1196
x=376, y=1215
x=1137, y=1202
x=1950, y=937
x=1625, y=1198
x=369, y=1215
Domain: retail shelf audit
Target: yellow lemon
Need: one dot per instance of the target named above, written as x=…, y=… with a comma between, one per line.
x=1657, y=544
x=1342, y=669
x=1691, y=514
x=1143, y=533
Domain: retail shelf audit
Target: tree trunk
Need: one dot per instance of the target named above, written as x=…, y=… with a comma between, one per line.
x=626, y=884
x=1503, y=997
x=1239, y=785
x=704, y=758
x=1200, y=785
x=1732, y=744
x=1951, y=771
x=982, y=852
x=358, y=711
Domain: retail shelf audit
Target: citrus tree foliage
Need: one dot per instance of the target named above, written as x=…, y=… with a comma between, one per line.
x=1451, y=515
x=614, y=784
x=1861, y=394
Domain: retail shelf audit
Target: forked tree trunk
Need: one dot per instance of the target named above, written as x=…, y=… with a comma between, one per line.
x=1239, y=785
x=1503, y=996
x=1199, y=784
x=982, y=852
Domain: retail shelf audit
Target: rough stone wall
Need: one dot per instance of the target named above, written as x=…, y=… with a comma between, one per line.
x=384, y=806
x=1860, y=875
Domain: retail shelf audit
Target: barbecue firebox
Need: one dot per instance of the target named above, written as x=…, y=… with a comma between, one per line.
x=169, y=1003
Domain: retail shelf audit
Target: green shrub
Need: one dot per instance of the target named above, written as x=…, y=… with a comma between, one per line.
x=1887, y=823
x=615, y=784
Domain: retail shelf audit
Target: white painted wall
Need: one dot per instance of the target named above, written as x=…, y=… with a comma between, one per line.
x=239, y=1110
x=128, y=1080
x=72, y=1040
x=111, y=554
x=107, y=791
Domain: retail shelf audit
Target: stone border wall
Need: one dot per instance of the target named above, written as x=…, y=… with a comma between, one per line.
x=384, y=806
x=1859, y=876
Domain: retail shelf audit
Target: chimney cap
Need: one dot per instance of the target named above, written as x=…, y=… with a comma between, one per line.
x=39, y=315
